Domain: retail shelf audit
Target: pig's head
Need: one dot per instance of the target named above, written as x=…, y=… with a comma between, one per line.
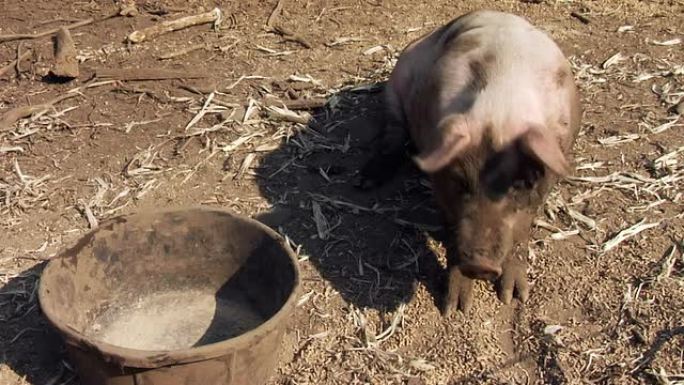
x=491, y=193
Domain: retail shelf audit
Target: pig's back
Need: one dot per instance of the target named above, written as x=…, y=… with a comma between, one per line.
x=485, y=63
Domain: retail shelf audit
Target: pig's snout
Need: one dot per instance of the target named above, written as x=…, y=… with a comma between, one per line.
x=479, y=267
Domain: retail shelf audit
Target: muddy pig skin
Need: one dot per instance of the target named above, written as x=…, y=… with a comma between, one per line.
x=489, y=104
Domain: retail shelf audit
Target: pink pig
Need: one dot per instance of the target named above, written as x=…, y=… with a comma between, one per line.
x=490, y=106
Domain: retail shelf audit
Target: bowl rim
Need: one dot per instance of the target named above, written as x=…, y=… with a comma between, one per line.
x=138, y=358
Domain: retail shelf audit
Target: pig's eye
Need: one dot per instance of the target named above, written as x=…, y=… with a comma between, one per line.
x=510, y=170
x=529, y=172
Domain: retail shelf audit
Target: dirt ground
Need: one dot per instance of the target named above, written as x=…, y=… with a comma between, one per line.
x=607, y=264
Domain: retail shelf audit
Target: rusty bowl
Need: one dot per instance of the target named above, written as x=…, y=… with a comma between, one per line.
x=183, y=296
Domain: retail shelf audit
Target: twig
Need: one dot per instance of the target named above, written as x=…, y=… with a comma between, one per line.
x=90, y=217
x=15, y=63
x=291, y=36
x=322, y=225
x=246, y=163
x=628, y=233
x=11, y=149
x=580, y=17
x=214, y=16
x=288, y=35
x=229, y=46
x=283, y=114
x=21, y=333
x=12, y=116
x=182, y=52
x=146, y=74
x=200, y=114
x=299, y=104
x=270, y=23
x=243, y=77
x=66, y=64
x=18, y=67
x=27, y=36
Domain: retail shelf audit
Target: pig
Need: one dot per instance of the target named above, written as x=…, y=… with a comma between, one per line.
x=489, y=108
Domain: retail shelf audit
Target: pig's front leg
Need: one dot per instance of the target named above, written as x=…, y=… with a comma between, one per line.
x=513, y=280
x=459, y=294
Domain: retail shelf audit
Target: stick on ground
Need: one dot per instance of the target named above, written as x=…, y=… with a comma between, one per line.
x=27, y=36
x=14, y=63
x=273, y=26
x=66, y=64
x=580, y=17
x=291, y=36
x=214, y=16
x=146, y=74
x=298, y=104
x=12, y=116
x=183, y=51
x=274, y=14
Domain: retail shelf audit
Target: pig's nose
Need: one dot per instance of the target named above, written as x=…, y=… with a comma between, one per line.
x=481, y=268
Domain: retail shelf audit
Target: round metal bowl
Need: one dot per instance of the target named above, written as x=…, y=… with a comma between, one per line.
x=181, y=296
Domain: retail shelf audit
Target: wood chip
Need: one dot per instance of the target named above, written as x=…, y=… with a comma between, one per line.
x=214, y=16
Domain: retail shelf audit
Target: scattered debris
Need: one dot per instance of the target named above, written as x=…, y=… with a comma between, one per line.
x=15, y=63
x=201, y=112
x=322, y=226
x=298, y=104
x=12, y=116
x=4, y=150
x=287, y=115
x=667, y=43
x=615, y=59
x=126, y=74
x=343, y=41
x=628, y=233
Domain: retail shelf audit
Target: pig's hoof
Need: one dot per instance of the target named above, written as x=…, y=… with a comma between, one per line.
x=513, y=280
x=459, y=293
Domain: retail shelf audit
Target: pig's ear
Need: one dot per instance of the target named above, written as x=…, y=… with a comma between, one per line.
x=546, y=149
x=455, y=137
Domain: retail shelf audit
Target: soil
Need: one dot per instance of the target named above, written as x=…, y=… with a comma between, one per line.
x=600, y=311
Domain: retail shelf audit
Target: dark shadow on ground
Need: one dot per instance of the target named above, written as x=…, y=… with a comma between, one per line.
x=28, y=345
x=373, y=253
